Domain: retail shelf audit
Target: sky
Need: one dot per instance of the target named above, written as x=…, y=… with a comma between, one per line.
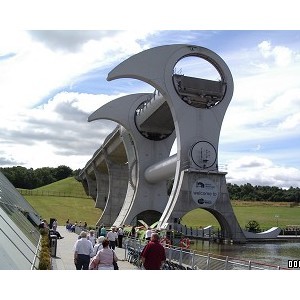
x=52, y=80
x=54, y=65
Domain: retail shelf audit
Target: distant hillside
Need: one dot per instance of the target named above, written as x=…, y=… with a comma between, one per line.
x=64, y=199
x=65, y=187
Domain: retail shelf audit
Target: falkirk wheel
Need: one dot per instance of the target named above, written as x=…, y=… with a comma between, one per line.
x=128, y=175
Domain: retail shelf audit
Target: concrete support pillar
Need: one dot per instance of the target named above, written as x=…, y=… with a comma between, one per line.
x=102, y=186
x=92, y=185
x=118, y=181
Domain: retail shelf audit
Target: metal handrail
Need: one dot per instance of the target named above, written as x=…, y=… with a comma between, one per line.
x=195, y=261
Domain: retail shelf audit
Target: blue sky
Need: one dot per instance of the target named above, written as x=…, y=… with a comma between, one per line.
x=53, y=80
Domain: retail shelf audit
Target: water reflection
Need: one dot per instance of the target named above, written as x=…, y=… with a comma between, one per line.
x=275, y=253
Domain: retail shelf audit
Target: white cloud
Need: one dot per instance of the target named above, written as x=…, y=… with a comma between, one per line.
x=264, y=111
x=291, y=122
x=35, y=70
x=265, y=48
x=282, y=56
x=261, y=171
x=263, y=101
x=33, y=65
x=257, y=148
x=44, y=124
x=52, y=132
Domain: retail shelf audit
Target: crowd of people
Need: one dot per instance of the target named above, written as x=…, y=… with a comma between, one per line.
x=51, y=228
x=91, y=253
x=95, y=250
x=72, y=226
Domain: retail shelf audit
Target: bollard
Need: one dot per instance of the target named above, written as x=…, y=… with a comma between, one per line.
x=53, y=245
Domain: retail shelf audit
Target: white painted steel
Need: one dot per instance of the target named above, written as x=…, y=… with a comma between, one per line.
x=162, y=170
x=154, y=104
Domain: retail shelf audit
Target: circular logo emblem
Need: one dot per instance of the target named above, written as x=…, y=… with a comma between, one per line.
x=204, y=192
x=203, y=154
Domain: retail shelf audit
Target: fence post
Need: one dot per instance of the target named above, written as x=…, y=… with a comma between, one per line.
x=180, y=257
x=208, y=261
x=193, y=260
x=226, y=263
x=126, y=245
x=170, y=254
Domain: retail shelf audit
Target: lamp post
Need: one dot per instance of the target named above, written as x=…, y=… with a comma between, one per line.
x=277, y=216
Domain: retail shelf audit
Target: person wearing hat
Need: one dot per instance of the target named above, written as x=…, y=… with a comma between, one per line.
x=91, y=237
x=148, y=234
x=112, y=237
x=98, y=245
x=120, y=233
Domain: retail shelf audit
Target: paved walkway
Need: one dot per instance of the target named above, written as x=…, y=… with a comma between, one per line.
x=64, y=259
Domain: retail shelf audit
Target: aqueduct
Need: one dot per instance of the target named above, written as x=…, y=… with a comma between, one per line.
x=128, y=175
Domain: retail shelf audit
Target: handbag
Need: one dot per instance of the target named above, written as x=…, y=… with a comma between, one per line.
x=116, y=267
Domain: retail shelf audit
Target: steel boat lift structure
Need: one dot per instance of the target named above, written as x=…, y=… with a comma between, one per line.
x=128, y=175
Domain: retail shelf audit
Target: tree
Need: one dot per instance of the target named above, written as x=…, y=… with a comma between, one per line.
x=62, y=172
x=253, y=226
x=44, y=176
x=23, y=178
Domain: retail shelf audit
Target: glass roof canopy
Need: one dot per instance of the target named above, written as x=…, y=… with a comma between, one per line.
x=19, y=233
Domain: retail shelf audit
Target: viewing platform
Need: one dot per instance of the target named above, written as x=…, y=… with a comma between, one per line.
x=64, y=259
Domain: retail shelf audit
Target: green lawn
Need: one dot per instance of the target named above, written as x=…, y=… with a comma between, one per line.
x=78, y=207
x=63, y=208
x=83, y=209
x=67, y=186
x=266, y=215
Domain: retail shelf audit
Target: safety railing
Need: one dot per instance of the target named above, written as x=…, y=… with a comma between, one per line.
x=185, y=259
x=25, y=192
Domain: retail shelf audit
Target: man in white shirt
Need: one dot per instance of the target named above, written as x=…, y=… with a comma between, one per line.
x=120, y=236
x=83, y=249
x=112, y=236
x=148, y=234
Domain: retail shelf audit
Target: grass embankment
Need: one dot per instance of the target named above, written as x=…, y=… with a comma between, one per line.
x=267, y=214
x=78, y=207
x=66, y=187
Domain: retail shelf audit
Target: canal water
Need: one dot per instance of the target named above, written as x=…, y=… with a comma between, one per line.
x=271, y=253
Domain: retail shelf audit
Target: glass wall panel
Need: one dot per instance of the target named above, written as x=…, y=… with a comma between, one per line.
x=19, y=233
